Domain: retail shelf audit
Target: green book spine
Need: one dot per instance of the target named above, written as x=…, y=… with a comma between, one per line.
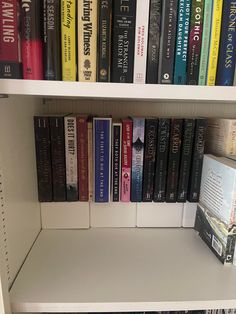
x=205, y=42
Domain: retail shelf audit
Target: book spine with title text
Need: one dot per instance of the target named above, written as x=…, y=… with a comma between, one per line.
x=116, y=160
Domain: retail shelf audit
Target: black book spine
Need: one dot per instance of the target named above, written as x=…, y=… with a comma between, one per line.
x=104, y=42
x=116, y=163
x=58, y=158
x=197, y=160
x=149, y=158
x=186, y=155
x=52, y=40
x=153, y=41
x=123, y=33
x=167, y=42
x=43, y=158
x=163, y=136
x=173, y=160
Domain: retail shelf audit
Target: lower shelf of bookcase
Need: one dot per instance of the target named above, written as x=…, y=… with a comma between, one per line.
x=111, y=270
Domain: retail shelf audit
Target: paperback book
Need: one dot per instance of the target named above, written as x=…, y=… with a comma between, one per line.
x=116, y=160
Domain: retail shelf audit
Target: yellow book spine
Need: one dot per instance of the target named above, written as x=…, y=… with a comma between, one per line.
x=215, y=42
x=68, y=39
x=87, y=40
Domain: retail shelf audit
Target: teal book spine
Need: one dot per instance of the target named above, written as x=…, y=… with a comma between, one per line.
x=181, y=49
x=205, y=42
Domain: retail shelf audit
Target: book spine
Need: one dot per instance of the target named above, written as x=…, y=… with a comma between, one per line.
x=181, y=49
x=185, y=163
x=195, y=41
x=52, y=40
x=154, y=31
x=10, y=62
x=32, y=43
x=71, y=159
x=214, y=42
x=57, y=134
x=173, y=160
x=90, y=160
x=206, y=35
x=104, y=42
x=87, y=40
x=227, y=53
x=102, y=159
x=167, y=43
x=68, y=39
x=116, y=159
x=43, y=158
x=126, y=156
x=123, y=34
x=82, y=155
x=137, y=159
x=163, y=136
x=141, y=39
x=197, y=160
x=149, y=158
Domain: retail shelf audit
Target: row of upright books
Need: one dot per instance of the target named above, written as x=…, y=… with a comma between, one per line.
x=84, y=158
x=140, y=41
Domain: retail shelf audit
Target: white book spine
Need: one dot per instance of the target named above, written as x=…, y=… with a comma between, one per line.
x=71, y=158
x=141, y=40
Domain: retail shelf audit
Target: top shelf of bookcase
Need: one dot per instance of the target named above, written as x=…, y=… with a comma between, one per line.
x=118, y=91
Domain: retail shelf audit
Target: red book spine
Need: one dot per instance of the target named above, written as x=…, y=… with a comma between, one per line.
x=82, y=140
x=32, y=44
x=10, y=63
x=126, y=159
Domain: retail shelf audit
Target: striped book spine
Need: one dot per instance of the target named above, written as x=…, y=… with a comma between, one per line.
x=205, y=42
x=215, y=42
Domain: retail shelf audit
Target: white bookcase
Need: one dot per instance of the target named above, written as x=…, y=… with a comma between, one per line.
x=81, y=257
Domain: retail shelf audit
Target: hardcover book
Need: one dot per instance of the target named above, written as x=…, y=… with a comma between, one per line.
x=82, y=155
x=141, y=39
x=32, y=39
x=227, y=52
x=72, y=188
x=154, y=32
x=181, y=49
x=206, y=35
x=68, y=40
x=137, y=159
x=87, y=40
x=150, y=146
x=10, y=55
x=123, y=33
x=167, y=42
x=197, y=160
x=104, y=42
x=57, y=135
x=195, y=41
x=52, y=39
x=185, y=162
x=163, y=135
x=126, y=155
x=43, y=158
x=116, y=160
x=90, y=160
x=174, y=159
x=102, y=158
x=214, y=42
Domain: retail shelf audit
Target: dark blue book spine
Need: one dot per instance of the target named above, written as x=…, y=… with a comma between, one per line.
x=227, y=53
x=102, y=160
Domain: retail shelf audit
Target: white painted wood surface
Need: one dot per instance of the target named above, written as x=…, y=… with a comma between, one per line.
x=189, y=214
x=122, y=270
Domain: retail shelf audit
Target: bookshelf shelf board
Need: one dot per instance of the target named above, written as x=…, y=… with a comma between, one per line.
x=118, y=91
x=111, y=270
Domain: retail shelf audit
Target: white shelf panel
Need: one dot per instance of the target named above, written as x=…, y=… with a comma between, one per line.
x=118, y=91
x=111, y=270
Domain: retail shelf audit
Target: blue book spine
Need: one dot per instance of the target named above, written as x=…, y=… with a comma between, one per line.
x=102, y=159
x=181, y=49
x=137, y=159
x=227, y=53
